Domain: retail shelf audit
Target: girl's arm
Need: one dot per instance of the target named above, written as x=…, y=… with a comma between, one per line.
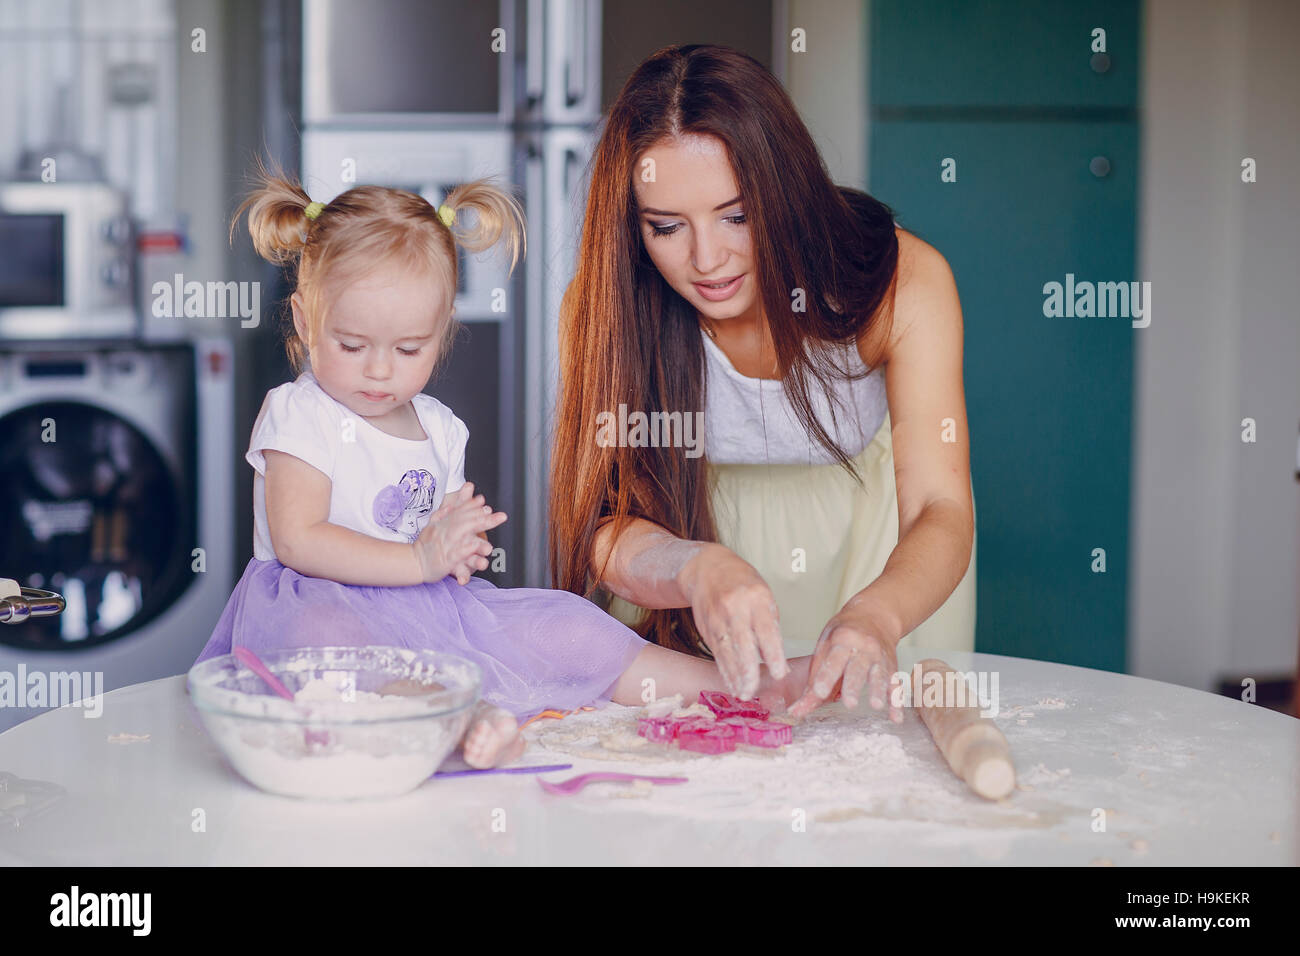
x=297, y=515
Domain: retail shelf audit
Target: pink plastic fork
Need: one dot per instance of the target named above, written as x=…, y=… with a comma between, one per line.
x=254, y=664
x=566, y=787
x=311, y=738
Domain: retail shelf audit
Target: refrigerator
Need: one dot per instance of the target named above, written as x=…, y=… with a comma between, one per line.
x=427, y=93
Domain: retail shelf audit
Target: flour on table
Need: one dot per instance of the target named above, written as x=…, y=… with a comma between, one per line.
x=1039, y=774
x=127, y=738
x=843, y=768
x=639, y=788
x=663, y=706
x=694, y=710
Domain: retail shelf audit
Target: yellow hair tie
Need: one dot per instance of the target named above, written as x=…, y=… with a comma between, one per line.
x=313, y=209
x=447, y=215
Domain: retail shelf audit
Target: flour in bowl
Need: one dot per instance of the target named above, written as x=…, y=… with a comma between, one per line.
x=331, y=760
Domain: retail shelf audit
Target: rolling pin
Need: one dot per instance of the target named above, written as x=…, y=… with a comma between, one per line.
x=972, y=745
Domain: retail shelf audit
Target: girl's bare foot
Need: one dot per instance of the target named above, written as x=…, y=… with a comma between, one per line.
x=409, y=687
x=493, y=737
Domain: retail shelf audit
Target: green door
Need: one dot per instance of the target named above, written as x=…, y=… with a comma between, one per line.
x=1043, y=193
x=1004, y=54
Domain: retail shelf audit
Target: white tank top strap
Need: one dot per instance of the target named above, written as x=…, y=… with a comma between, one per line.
x=751, y=421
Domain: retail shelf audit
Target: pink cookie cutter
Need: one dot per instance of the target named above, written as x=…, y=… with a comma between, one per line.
x=659, y=729
x=724, y=705
x=711, y=738
x=760, y=733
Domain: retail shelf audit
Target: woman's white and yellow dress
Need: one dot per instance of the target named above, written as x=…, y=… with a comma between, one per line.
x=784, y=505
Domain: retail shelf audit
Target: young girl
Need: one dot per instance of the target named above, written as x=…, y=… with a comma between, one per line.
x=365, y=530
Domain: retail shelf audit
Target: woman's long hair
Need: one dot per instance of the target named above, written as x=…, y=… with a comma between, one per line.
x=626, y=336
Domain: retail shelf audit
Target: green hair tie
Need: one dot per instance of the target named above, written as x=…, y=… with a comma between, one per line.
x=447, y=215
x=313, y=209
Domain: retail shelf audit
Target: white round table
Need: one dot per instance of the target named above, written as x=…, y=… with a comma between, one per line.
x=1175, y=776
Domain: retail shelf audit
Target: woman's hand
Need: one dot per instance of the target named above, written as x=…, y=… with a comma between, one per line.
x=736, y=615
x=855, y=649
x=450, y=542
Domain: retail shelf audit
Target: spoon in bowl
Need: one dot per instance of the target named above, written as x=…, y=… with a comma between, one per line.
x=254, y=664
x=312, y=738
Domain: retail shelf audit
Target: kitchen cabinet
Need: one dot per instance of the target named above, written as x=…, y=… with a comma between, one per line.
x=1049, y=399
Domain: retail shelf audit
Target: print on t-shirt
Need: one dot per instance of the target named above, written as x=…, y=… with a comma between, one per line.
x=401, y=506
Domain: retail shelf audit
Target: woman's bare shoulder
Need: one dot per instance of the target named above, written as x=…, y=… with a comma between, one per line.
x=923, y=275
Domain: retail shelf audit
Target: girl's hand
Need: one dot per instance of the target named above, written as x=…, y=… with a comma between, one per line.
x=736, y=615
x=450, y=542
x=854, y=650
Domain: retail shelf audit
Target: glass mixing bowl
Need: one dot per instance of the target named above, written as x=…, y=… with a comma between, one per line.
x=365, y=722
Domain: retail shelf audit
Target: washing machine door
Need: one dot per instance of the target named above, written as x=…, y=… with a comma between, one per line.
x=96, y=514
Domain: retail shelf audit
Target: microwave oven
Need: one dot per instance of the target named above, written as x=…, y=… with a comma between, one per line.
x=66, y=261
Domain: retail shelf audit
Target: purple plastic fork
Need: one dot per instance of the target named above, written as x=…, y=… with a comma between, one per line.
x=544, y=768
x=566, y=787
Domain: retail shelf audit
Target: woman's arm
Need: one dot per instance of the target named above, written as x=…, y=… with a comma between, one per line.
x=927, y=407
x=927, y=410
x=297, y=515
x=733, y=607
x=646, y=564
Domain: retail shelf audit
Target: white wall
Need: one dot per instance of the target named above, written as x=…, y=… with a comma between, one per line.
x=1215, y=547
x=834, y=111
x=199, y=158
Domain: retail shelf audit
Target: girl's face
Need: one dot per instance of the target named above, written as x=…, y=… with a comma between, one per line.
x=693, y=224
x=378, y=342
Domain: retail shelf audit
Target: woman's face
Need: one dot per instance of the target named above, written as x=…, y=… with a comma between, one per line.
x=378, y=342
x=693, y=224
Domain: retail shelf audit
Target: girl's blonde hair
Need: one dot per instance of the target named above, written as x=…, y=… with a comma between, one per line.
x=367, y=225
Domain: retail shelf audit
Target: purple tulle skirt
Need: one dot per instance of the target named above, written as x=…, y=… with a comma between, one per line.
x=538, y=648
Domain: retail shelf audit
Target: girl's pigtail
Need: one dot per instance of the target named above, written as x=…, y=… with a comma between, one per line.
x=498, y=216
x=277, y=217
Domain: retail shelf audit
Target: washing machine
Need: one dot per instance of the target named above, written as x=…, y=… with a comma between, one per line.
x=117, y=492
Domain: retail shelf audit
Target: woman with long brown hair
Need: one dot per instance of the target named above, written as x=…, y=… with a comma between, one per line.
x=724, y=279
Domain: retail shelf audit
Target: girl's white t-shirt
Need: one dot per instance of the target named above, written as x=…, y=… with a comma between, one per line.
x=383, y=486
